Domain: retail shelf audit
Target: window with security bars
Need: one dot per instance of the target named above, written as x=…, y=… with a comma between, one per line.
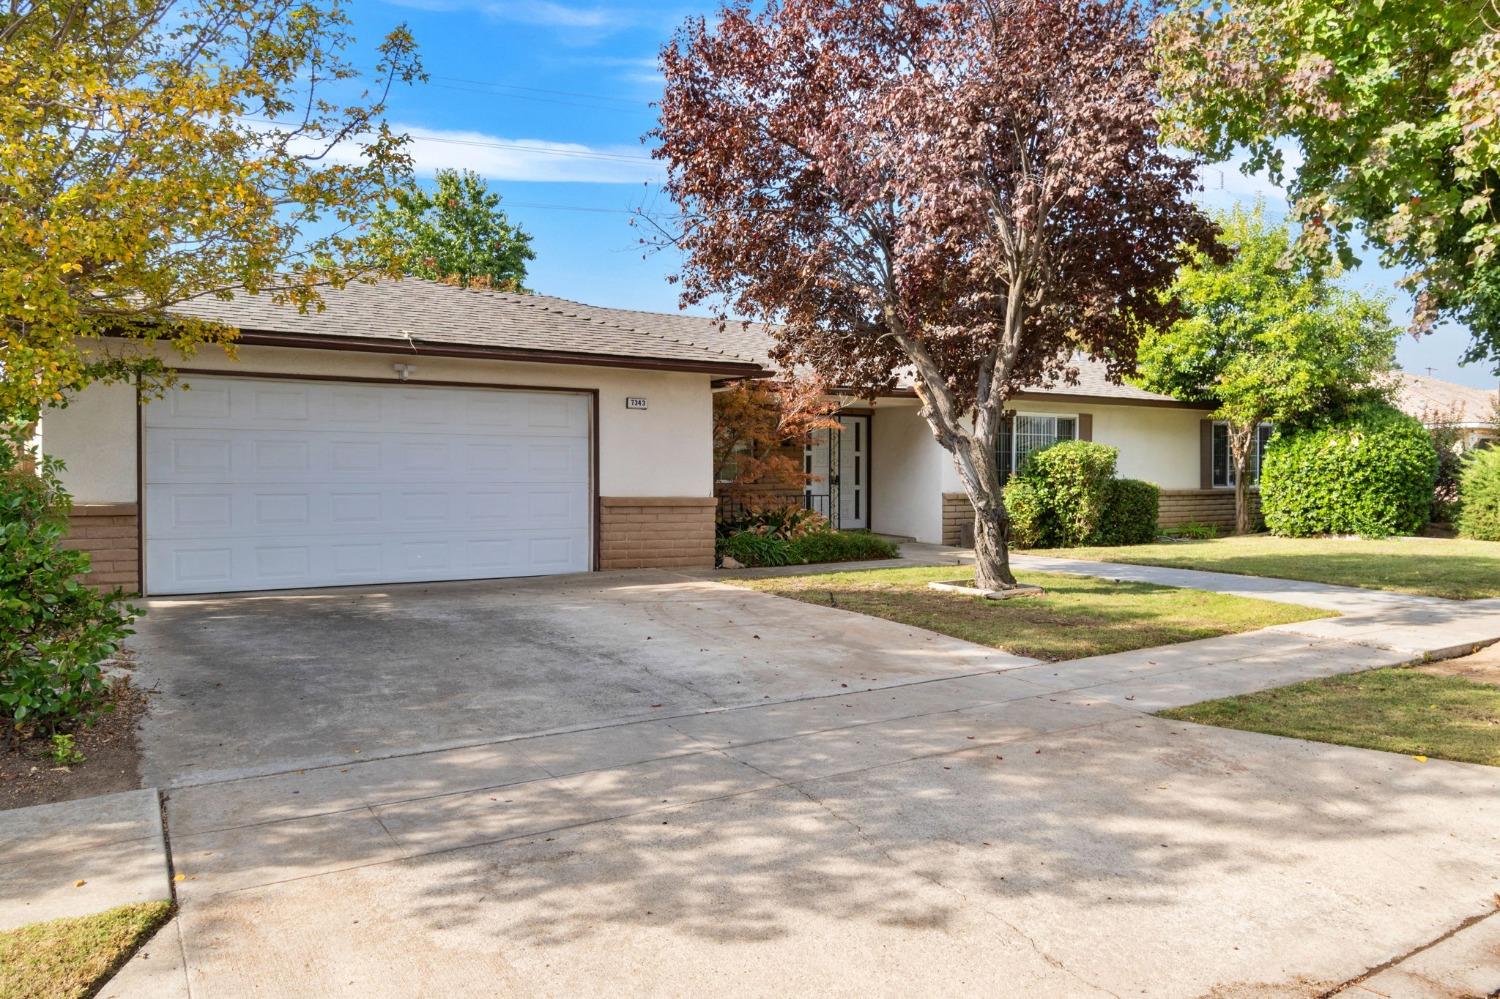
x=1024, y=434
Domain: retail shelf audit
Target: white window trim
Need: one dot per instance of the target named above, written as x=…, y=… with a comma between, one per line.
x=1255, y=486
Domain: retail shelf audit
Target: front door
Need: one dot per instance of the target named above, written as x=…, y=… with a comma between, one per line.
x=853, y=479
x=838, y=466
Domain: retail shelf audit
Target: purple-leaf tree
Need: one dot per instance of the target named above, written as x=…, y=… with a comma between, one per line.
x=966, y=193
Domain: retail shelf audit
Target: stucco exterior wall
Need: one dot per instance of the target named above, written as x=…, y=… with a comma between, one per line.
x=906, y=498
x=664, y=450
x=912, y=473
x=95, y=438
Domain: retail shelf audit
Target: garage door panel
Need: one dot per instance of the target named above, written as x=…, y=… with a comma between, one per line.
x=186, y=511
x=204, y=456
x=242, y=492
x=249, y=563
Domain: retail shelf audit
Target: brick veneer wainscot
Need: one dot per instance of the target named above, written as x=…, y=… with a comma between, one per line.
x=1203, y=506
x=656, y=532
x=110, y=533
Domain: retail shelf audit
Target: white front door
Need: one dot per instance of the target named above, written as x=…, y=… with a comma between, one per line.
x=256, y=483
x=854, y=472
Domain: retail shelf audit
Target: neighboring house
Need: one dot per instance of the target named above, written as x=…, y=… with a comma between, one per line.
x=1472, y=411
x=411, y=431
x=883, y=471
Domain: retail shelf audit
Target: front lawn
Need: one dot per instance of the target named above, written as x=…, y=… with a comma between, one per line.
x=1435, y=567
x=1077, y=616
x=67, y=958
x=1399, y=710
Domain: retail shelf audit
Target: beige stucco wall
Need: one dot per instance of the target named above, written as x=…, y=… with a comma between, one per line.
x=664, y=450
x=95, y=438
x=1158, y=444
x=905, y=468
x=910, y=472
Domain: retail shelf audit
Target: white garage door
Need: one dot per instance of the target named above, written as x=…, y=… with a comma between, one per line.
x=254, y=483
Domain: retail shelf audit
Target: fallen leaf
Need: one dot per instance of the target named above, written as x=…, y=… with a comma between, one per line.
x=179, y=876
x=79, y=883
x=1420, y=759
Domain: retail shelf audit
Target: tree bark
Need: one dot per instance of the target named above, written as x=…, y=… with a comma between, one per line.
x=1241, y=439
x=980, y=474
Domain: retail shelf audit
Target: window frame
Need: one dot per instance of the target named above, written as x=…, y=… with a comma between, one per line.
x=1008, y=435
x=1264, y=430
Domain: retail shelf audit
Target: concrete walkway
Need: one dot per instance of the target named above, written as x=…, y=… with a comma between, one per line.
x=76, y=858
x=1025, y=828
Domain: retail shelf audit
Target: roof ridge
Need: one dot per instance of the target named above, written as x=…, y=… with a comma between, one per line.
x=533, y=301
x=647, y=333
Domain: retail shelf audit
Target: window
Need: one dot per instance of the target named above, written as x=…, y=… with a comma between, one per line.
x=1223, y=461
x=1024, y=433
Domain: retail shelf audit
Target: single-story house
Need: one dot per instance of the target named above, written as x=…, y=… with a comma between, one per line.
x=414, y=431
x=410, y=431
x=1472, y=412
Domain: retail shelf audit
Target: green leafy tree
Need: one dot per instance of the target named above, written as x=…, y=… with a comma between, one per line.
x=1266, y=338
x=457, y=233
x=157, y=151
x=1394, y=108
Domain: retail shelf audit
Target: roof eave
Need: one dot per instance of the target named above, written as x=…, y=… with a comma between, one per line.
x=427, y=348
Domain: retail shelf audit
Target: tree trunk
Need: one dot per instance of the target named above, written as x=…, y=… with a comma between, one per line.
x=1241, y=439
x=980, y=473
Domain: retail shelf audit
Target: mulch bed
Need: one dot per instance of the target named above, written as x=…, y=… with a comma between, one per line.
x=112, y=757
x=1481, y=667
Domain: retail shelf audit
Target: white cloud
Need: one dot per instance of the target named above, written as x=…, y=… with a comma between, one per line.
x=500, y=158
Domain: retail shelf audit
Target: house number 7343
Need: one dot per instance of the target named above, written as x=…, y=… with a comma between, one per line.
x=635, y=402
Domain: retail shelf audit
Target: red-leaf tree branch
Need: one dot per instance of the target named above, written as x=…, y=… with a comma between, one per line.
x=968, y=194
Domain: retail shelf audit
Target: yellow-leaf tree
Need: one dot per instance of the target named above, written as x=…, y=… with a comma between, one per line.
x=153, y=152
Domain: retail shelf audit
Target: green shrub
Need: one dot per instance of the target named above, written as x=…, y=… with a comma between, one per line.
x=54, y=631
x=787, y=523
x=841, y=546
x=1192, y=530
x=1479, y=491
x=1130, y=512
x=1074, y=480
x=1371, y=474
x=1031, y=522
x=754, y=548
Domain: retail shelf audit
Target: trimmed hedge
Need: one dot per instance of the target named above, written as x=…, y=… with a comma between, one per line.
x=1370, y=475
x=750, y=548
x=1479, y=496
x=1130, y=513
x=1068, y=496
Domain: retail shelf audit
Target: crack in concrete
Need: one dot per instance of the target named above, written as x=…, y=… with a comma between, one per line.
x=1400, y=959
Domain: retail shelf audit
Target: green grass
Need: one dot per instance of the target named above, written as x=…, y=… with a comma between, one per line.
x=1436, y=567
x=67, y=958
x=1397, y=710
x=1077, y=617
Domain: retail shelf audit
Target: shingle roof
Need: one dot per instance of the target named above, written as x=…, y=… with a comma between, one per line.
x=416, y=314
x=754, y=342
x=1425, y=397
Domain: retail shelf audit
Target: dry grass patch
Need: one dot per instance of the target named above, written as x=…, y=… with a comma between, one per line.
x=67, y=958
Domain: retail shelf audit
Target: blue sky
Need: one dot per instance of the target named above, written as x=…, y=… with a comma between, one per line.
x=550, y=100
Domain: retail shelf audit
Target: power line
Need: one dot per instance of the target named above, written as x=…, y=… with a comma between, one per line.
x=587, y=154
x=602, y=98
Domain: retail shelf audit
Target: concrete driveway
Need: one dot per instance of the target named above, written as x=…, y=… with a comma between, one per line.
x=971, y=825
x=262, y=683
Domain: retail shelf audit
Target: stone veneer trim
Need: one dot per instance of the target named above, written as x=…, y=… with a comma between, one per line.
x=656, y=532
x=111, y=534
